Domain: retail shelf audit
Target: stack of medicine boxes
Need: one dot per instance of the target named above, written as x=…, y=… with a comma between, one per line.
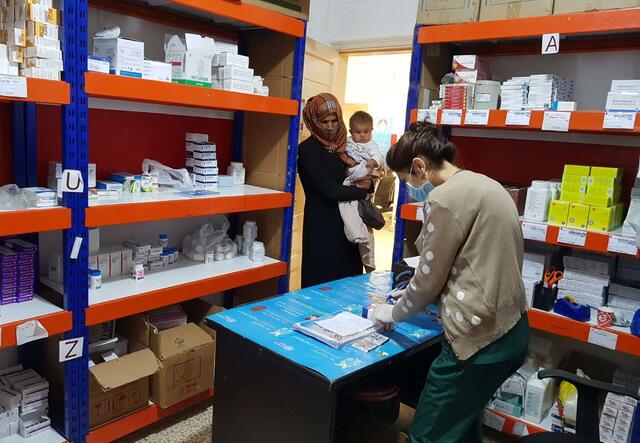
x=24, y=402
x=30, y=33
x=589, y=199
x=201, y=161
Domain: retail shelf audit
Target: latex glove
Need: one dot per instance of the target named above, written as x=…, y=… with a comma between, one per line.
x=396, y=294
x=383, y=313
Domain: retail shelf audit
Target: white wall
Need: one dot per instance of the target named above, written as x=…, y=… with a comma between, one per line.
x=363, y=24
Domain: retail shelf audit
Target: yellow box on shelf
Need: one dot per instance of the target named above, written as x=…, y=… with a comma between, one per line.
x=605, y=191
x=577, y=169
x=598, y=171
x=575, y=179
x=602, y=201
x=604, y=181
x=558, y=213
x=579, y=188
x=578, y=216
x=605, y=219
x=572, y=197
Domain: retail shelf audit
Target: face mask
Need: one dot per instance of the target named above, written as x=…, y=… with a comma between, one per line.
x=420, y=193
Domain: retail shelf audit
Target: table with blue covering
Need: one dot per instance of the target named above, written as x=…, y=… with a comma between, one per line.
x=276, y=384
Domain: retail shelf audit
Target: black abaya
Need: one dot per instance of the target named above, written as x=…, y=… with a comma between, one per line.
x=327, y=255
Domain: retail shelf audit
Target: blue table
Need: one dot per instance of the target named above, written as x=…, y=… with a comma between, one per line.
x=261, y=359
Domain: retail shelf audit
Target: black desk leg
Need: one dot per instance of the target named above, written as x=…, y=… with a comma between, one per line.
x=260, y=398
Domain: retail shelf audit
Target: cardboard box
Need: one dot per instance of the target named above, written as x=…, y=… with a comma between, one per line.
x=558, y=213
x=578, y=216
x=121, y=386
x=191, y=59
x=158, y=71
x=440, y=12
x=501, y=9
x=197, y=310
x=569, y=6
x=293, y=8
x=126, y=56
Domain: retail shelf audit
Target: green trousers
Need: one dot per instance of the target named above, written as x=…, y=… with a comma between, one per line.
x=452, y=402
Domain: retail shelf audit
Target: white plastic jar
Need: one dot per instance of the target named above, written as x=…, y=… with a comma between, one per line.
x=237, y=171
x=95, y=280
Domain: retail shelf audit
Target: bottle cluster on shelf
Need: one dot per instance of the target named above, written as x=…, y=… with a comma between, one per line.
x=30, y=39
x=191, y=60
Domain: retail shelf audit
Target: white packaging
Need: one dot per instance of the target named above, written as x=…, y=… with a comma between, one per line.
x=44, y=42
x=126, y=56
x=43, y=52
x=191, y=59
x=204, y=155
x=201, y=147
x=204, y=163
x=12, y=36
x=233, y=73
x=43, y=63
x=625, y=86
x=565, y=106
x=195, y=137
x=104, y=264
x=226, y=47
x=4, y=60
x=242, y=86
x=262, y=90
x=205, y=171
x=538, y=200
x=98, y=64
x=538, y=398
x=46, y=74
x=115, y=262
x=56, y=272
x=158, y=71
x=229, y=59
x=207, y=186
x=623, y=102
x=206, y=178
x=127, y=261
x=93, y=262
x=39, y=29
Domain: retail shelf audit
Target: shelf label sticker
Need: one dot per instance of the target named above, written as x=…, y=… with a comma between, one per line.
x=556, y=121
x=550, y=43
x=494, y=421
x=29, y=331
x=419, y=214
x=534, y=231
x=451, y=117
x=619, y=120
x=75, y=249
x=70, y=349
x=572, y=237
x=479, y=117
x=602, y=338
x=518, y=118
x=428, y=115
x=71, y=181
x=622, y=245
x=13, y=86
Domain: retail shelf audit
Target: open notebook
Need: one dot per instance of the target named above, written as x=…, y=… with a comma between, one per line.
x=338, y=329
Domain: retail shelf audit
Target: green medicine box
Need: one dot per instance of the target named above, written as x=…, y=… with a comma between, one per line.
x=558, y=213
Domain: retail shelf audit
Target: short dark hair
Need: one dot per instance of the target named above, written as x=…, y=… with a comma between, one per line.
x=360, y=118
x=423, y=139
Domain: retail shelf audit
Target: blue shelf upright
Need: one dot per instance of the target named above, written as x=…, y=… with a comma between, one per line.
x=292, y=158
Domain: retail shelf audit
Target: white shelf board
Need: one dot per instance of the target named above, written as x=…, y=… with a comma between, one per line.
x=16, y=312
x=185, y=271
x=48, y=436
x=168, y=194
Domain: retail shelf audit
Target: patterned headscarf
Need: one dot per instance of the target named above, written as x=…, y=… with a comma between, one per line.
x=317, y=109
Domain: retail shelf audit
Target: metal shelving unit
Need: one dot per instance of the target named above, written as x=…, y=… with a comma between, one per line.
x=188, y=280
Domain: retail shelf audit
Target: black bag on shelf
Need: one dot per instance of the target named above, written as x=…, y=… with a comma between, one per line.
x=370, y=214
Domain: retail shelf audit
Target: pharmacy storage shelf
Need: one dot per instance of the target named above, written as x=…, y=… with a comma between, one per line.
x=138, y=420
x=52, y=318
x=614, y=338
x=44, y=91
x=187, y=280
x=150, y=91
x=34, y=220
x=605, y=243
x=516, y=427
x=585, y=23
x=48, y=436
x=580, y=121
x=170, y=204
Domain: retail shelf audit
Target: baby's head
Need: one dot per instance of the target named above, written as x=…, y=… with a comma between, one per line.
x=361, y=127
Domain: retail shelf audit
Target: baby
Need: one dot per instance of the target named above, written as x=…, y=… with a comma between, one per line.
x=360, y=145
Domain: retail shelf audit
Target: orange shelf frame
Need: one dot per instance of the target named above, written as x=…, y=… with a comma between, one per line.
x=558, y=325
x=34, y=220
x=598, y=22
x=510, y=422
x=51, y=92
x=149, y=91
x=141, y=212
x=135, y=304
x=55, y=323
x=581, y=121
x=142, y=418
x=253, y=15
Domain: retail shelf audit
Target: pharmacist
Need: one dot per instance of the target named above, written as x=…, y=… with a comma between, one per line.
x=471, y=250
x=327, y=255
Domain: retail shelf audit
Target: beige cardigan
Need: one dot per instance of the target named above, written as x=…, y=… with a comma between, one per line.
x=471, y=251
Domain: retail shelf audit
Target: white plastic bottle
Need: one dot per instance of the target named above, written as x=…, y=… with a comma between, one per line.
x=538, y=200
x=538, y=398
x=237, y=171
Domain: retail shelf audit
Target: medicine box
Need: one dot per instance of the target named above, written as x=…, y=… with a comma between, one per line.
x=598, y=171
x=39, y=29
x=233, y=85
x=572, y=197
x=195, y=137
x=605, y=191
x=558, y=213
x=205, y=171
x=577, y=170
x=471, y=77
x=109, y=185
x=43, y=52
x=46, y=74
x=619, y=101
x=625, y=86
x=120, y=177
x=233, y=73
x=203, y=147
x=203, y=163
x=98, y=64
x=575, y=178
x=206, y=178
x=229, y=59
x=43, y=63
x=578, y=216
x=594, y=200
x=604, y=181
x=469, y=62
x=126, y=56
x=158, y=71
x=104, y=264
x=225, y=181
x=204, y=155
x=603, y=219
x=574, y=187
x=191, y=59
x=207, y=186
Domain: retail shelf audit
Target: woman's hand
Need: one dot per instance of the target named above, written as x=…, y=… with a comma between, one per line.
x=364, y=183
